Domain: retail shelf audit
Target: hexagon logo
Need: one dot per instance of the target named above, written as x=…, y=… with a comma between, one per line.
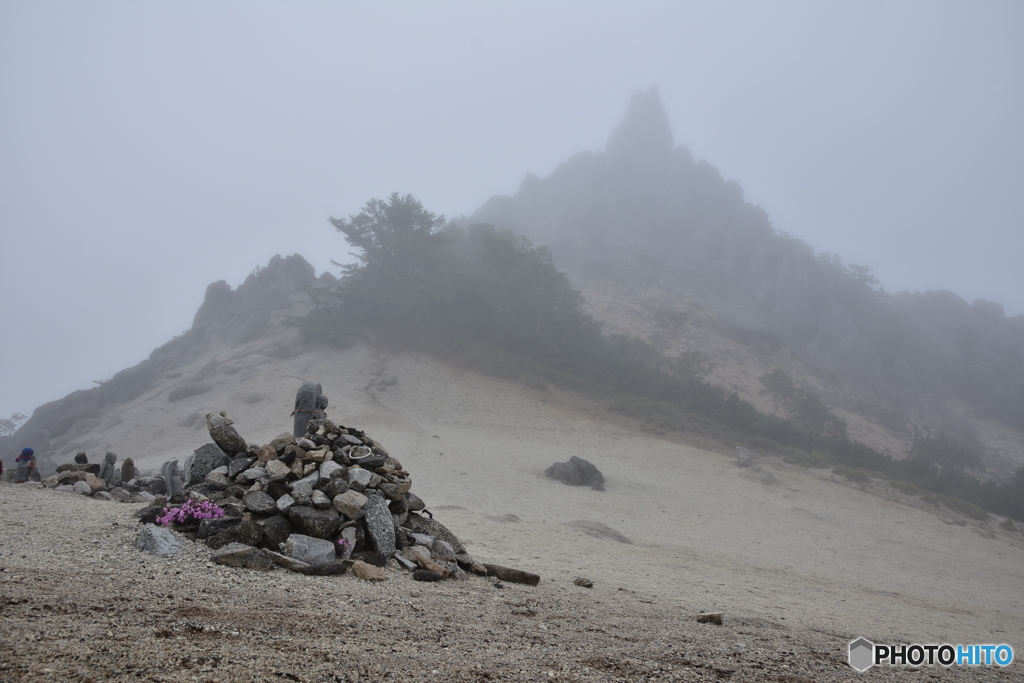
x=862, y=654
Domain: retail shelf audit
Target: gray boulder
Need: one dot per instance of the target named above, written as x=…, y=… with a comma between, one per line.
x=312, y=551
x=576, y=472
x=379, y=525
x=159, y=541
x=203, y=461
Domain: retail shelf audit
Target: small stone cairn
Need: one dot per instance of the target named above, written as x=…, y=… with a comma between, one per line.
x=103, y=481
x=330, y=500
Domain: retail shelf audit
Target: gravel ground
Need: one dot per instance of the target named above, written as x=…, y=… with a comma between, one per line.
x=79, y=603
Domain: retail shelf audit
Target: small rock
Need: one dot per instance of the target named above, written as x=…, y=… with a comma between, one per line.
x=82, y=488
x=287, y=562
x=512, y=575
x=426, y=575
x=285, y=502
x=159, y=541
x=277, y=470
x=582, y=581
x=102, y=495
x=307, y=549
x=320, y=500
x=442, y=551
x=367, y=572
x=282, y=441
x=252, y=474
x=210, y=527
x=244, y=557
x=328, y=470
x=257, y=501
x=359, y=479
x=239, y=465
x=266, y=453
x=318, y=523
x=350, y=504
x=710, y=618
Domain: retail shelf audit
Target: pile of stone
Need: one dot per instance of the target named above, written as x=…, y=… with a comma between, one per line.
x=321, y=503
x=105, y=481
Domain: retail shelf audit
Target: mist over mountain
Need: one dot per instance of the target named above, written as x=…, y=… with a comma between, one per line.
x=646, y=220
x=649, y=235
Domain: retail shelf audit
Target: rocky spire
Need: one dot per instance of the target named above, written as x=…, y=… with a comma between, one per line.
x=645, y=133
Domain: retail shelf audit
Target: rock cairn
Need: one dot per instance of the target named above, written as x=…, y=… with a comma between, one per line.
x=318, y=504
x=104, y=481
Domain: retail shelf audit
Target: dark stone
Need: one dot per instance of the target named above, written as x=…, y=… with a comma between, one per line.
x=107, y=471
x=93, y=469
x=149, y=515
x=210, y=527
x=257, y=501
x=576, y=472
x=512, y=575
x=317, y=523
x=376, y=559
x=310, y=403
x=127, y=470
x=239, y=465
x=426, y=575
x=234, y=492
x=204, y=460
x=224, y=434
x=335, y=487
x=276, y=530
x=81, y=458
x=370, y=462
x=330, y=569
x=247, y=532
x=380, y=526
x=177, y=499
x=276, y=489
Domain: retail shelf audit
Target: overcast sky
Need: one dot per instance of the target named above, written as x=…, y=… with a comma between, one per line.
x=148, y=149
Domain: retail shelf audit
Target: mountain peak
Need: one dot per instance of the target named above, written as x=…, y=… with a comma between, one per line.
x=645, y=131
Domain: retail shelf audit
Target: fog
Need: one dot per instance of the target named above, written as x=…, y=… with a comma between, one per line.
x=147, y=150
